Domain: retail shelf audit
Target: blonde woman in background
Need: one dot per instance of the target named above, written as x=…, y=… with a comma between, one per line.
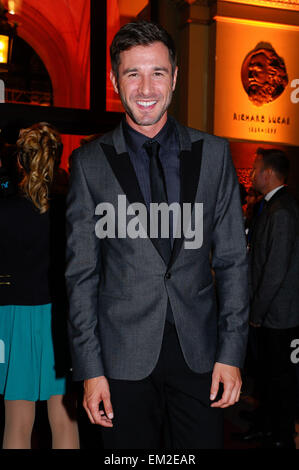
x=29, y=371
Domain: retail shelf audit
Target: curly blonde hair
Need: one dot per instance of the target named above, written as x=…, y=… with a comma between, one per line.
x=39, y=151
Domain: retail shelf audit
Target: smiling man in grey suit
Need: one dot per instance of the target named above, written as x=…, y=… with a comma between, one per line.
x=154, y=338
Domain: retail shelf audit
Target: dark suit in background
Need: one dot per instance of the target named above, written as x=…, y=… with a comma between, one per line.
x=274, y=279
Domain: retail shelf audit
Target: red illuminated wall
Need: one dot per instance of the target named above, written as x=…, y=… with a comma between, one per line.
x=113, y=25
x=59, y=31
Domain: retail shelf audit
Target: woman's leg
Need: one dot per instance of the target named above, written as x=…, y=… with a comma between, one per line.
x=63, y=422
x=19, y=421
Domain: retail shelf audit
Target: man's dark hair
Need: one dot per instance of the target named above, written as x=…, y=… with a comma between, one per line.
x=276, y=160
x=140, y=33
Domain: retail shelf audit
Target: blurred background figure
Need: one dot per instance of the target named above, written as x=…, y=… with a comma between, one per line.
x=253, y=197
x=32, y=370
x=60, y=180
x=243, y=196
x=274, y=290
x=252, y=208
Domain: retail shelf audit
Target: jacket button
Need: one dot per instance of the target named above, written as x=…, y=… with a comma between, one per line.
x=167, y=275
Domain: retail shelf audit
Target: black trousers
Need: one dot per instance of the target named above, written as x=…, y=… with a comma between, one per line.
x=277, y=378
x=168, y=409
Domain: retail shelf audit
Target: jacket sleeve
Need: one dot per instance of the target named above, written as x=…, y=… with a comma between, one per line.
x=281, y=237
x=230, y=264
x=82, y=276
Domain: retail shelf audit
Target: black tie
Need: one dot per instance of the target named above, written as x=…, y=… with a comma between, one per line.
x=159, y=194
x=158, y=191
x=262, y=204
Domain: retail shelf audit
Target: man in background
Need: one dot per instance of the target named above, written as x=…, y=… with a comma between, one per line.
x=274, y=279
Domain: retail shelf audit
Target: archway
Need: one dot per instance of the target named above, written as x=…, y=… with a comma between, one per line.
x=62, y=41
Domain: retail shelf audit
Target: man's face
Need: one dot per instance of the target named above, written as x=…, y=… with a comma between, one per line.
x=145, y=85
x=258, y=70
x=259, y=175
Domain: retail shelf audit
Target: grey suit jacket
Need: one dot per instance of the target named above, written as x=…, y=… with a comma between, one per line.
x=274, y=263
x=118, y=287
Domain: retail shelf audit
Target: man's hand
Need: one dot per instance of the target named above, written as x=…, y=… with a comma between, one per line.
x=96, y=390
x=231, y=378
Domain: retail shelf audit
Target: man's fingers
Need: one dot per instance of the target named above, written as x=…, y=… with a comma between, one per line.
x=105, y=422
x=227, y=390
x=238, y=395
x=233, y=396
x=88, y=413
x=108, y=407
x=214, y=387
x=95, y=412
x=96, y=415
x=96, y=392
x=231, y=379
x=230, y=395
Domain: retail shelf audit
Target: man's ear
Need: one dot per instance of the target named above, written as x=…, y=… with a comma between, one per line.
x=174, y=78
x=114, y=81
x=269, y=173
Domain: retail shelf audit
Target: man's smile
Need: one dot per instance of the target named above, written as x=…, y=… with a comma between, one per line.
x=146, y=104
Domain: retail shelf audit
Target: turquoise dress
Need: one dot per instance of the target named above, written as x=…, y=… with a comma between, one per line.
x=28, y=362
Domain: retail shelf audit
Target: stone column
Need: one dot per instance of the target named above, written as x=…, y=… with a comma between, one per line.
x=191, y=24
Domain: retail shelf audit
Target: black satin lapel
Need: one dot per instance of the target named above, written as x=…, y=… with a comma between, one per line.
x=189, y=174
x=124, y=172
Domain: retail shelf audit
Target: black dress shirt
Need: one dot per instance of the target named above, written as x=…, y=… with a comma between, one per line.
x=169, y=157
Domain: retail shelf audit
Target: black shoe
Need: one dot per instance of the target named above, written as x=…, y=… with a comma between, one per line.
x=252, y=434
x=274, y=444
